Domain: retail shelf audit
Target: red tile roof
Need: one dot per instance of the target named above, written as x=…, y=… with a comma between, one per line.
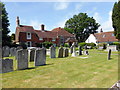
x=105, y=37
x=62, y=32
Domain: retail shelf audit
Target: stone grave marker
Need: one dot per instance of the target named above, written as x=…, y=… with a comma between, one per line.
x=32, y=55
x=109, y=54
x=6, y=51
x=74, y=54
x=52, y=52
x=13, y=51
x=40, y=57
x=22, y=62
x=60, y=52
x=6, y=65
x=66, y=52
x=71, y=49
x=86, y=52
x=80, y=50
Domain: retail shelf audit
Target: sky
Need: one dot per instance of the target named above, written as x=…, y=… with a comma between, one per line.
x=55, y=14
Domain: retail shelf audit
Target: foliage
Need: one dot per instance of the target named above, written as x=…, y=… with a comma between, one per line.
x=47, y=44
x=6, y=40
x=66, y=45
x=82, y=26
x=116, y=19
x=91, y=44
x=82, y=44
x=23, y=44
x=39, y=45
x=12, y=36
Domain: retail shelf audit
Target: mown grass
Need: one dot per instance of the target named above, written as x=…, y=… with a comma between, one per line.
x=71, y=72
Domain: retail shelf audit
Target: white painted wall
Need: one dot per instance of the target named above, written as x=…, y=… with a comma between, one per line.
x=91, y=39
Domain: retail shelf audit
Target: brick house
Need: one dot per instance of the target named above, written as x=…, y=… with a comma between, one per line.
x=102, y=37
x=30, y=36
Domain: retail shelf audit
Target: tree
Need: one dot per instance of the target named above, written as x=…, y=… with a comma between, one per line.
x=116, y=19
x=6, y=40
x=82, y=26
x=12, y=36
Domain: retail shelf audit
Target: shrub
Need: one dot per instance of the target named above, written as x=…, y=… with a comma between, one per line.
x=104, y=45
x=23, y=45
x=82, y=44
x=39, y=45
x=47, y=44
x=66, y=45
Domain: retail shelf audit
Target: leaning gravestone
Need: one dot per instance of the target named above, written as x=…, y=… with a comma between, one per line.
x=66, y=52
x=6, y=51
x=80, y=50
x=60, y=52
x=32, y=54
x=52, y=52
x=6, y=65
x=109, y=54
x=22, y=62
x=40, y=57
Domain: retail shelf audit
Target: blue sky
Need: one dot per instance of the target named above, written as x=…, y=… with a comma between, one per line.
x=55, y=14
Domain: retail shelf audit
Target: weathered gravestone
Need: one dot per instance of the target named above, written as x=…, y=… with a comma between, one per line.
x=60, y=52
x=71, y=49
x=22, y=62
x=80, y=50
x=66, y=52
x=13, y=51
x=6, y=65
x=6, y=51
x=40, y=57
x=74, y=54
x=17, y=49
x=52, y=52
x=32, y=55
x=109, y=54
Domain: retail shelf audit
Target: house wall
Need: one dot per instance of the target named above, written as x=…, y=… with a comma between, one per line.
x=91, y=39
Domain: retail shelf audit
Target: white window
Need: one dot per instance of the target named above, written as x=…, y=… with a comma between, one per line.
x=29, y=44
x=40, y=38
x=53, y=39
x=28, y=35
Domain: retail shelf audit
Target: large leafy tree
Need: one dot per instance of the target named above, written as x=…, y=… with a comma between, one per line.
x=116, y=19
x=81, y=26
x=6, y=40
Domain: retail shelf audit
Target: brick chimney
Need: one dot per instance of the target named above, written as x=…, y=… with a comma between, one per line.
x=42, y=27
x=17, y=21
x=101, y=30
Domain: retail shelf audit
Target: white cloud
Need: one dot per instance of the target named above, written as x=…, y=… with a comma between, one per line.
x=78, y=7
x=61, y=5
x=97, y=17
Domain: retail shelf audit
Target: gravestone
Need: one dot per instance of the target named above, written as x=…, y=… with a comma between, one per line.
x=22, y=62
x=60, y=52
x=71, y=49
x=80, y=50
x=13, y=51
x=109, y=54
x=66, y=52
x=86, y=52
x=40, y=57
x=6, y=51
x=32, y=55
x=52, y=52
x=74, y=54
x=85, y=47
x=6, y=65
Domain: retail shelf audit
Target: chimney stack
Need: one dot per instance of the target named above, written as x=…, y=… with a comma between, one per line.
x=17, y=21
x=101, y=30
x=42, y=27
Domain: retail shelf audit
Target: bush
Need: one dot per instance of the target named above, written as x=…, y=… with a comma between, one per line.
x=47, y=44
x=66, y=45
x=82, y=44
x=104, y=45
x=39, y=45
x=23, y=45
x=88, y=44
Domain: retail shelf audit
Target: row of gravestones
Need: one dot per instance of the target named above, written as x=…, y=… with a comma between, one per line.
x=6, y=65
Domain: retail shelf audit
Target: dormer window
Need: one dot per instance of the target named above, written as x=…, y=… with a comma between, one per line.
x=28, y=35
x=40, y=38
x=112, y=34
x=53, y=39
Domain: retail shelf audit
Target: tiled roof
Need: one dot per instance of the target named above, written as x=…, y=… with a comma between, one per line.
x=62, y=32
x=70, y=40
x=105, y=37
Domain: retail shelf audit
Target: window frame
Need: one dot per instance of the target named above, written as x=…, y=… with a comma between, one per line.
x=29, y=36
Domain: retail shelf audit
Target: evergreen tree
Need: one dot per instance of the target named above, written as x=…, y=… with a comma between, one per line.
x=6, y=40
x=82, y=26
x=116, y=19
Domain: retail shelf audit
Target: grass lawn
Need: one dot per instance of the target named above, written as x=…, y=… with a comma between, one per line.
x=93, y=71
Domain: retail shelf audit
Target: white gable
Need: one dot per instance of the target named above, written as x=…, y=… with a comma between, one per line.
x=91, y=39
